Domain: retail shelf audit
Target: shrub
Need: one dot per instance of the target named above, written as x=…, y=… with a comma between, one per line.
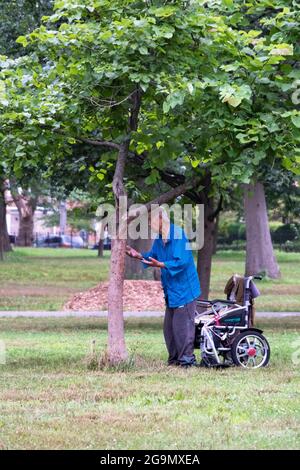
x=231, y=231
x=287, y=232
x=292, y=246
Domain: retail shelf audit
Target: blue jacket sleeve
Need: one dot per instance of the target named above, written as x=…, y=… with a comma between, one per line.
x=180, y=258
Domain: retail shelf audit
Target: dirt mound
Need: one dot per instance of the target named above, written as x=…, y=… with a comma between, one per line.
x=138, y=296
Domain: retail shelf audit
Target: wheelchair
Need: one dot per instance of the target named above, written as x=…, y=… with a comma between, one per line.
x=225, y=332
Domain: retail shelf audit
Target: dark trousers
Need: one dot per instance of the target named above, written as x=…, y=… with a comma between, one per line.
x=179, y=333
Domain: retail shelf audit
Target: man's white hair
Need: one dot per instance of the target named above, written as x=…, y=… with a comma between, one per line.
x=160, y=211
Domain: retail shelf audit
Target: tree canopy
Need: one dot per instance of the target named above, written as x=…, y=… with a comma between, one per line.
x=215, y=79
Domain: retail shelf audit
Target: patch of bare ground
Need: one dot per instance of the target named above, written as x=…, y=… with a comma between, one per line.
x=15, y=290
x=293, y=289
x=138, y=296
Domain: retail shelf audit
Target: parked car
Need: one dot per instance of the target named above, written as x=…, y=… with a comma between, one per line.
x=61, y=241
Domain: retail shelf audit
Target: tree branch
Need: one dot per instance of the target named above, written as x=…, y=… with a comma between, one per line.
x=163, y=198
x=218, y=209
x=118, y=183
x=85, y=140
x=169, y=195
x=172, y=179
x=99, y=143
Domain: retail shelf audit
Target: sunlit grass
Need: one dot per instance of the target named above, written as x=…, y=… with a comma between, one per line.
x=44, y=279
x=49, y=398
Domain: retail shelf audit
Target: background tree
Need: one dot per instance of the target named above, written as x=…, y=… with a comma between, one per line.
x=4, y=238
x=17, y=17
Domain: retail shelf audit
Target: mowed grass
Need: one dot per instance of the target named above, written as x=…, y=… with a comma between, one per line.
x=50, y=398
x=44, y=279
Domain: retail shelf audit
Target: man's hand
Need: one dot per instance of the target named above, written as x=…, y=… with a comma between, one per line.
x=133, y=253
x=154, y=262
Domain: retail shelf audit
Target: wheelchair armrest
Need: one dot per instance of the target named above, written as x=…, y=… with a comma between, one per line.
x=228, y=302
x=204, y=302
x=214, y=301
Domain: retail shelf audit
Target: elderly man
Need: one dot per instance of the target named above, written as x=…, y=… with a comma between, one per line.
x=172, y=254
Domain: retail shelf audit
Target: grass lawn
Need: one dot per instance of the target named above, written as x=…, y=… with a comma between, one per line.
x=44, y=279
x=50, y=398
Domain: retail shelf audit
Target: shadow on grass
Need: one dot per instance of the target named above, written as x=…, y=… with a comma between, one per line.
x=73, y=324
x=68, y=361
x=132, y=324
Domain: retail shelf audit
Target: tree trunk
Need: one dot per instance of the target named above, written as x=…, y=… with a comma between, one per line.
x=216, y=230
x=101, y=240
x=259, y=253
x=100, y=248
x=117, y=352
x=62, y=217
x=204, y=258
x=26, y=205
x=25, y=234
x=4, y=238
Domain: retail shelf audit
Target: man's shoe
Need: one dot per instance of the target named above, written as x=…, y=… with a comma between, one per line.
x=188, y=366
x=173, y=364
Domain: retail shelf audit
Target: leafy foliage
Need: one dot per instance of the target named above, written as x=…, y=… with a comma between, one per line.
x=18, y=17
x=216, y=79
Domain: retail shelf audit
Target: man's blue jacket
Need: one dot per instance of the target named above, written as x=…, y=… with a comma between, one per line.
x=179, y=278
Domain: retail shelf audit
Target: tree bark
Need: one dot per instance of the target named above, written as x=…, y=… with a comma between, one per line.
x=101, y=241
x=62, y=217
x=100, y=248
x=259, y=252
x=117, y=351
x=26, y=205
x=204, y=257
x=216, y=230
x=4, y=238
x=25, y=234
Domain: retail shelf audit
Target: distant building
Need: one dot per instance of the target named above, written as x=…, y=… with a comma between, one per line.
x=40, y=230
x=12, y=220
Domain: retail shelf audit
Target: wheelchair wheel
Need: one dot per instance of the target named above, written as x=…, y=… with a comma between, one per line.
x=250, y=350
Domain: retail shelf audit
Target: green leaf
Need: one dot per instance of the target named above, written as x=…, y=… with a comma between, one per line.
x=160, y=144
x=153, y=177
x=163, y=12
x=166, y=107
x=235, y=94
x=143, y=50
x=195, y=163
x=296, y=121
x=282, y=49
x=22, y=40
x=100, y=176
